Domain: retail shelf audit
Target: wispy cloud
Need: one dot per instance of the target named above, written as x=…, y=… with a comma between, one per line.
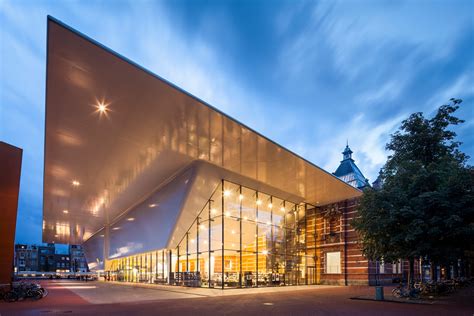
x=309, y=75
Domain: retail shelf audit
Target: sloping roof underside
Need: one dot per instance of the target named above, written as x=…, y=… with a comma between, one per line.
x=152, y=131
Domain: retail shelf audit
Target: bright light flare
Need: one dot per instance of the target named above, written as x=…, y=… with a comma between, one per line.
x=102, y=108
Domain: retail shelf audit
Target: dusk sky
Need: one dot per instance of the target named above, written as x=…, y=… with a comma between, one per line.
x=307, y=74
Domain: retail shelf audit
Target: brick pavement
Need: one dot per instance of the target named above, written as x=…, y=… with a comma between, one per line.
x=70, y=299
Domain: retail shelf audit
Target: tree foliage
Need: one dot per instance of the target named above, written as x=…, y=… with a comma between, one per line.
x=425, y=207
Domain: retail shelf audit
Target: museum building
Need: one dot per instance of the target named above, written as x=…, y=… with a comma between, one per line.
x=160, y=187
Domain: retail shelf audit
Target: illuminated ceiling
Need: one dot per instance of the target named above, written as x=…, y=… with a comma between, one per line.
x=115, y=132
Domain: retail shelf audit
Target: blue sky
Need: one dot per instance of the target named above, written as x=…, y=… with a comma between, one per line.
x=307, y=74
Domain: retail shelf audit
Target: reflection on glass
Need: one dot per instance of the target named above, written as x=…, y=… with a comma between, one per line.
x=241, y=238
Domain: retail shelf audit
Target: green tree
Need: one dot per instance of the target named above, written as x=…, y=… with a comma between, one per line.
x=425, y=206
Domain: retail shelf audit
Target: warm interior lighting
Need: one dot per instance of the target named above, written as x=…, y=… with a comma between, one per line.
x=65, y=211
x=227, y=214
x=282, y=209
x=259, y=202
x=131, y=219
x=152, y=205
x=75, y=183
x=192, y=241
x=233, y=231
x=264, y=252
x=213, y=211
x=226, y=192
x=116, y=228
x=202, y=226
x=270, y=205
x=245, y=218
x=241, y=197
x=102, y=108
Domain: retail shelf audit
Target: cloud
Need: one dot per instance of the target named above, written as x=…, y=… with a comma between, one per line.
x=386, y=93
x=323, y=72
x=462, y=87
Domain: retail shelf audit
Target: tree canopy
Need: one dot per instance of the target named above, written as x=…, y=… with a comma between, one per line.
x=425, y=207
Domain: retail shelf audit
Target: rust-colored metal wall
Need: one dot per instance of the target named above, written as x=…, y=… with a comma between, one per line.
x=10, y=170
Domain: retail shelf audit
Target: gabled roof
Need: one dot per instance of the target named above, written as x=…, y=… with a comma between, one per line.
x=349, y=172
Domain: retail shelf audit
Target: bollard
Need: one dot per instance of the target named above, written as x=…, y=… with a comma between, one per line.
x=379, y=293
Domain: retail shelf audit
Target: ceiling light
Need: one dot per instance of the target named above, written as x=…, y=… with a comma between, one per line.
x=75, y=183
x=116, y=228
x=227, y=214
x=241, y=197
x=270, y=205
x=259, y=202
x=264, y=252
x=65, y=211
x=226, y=193
x=213, y=211
x=102, y=108
x=152, y=205
x=131, y=219
x=282, y=209
x=202, y=226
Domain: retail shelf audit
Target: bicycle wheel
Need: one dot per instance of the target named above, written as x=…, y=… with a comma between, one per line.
x=397, y=292
x=36, y=295
x=10, y=297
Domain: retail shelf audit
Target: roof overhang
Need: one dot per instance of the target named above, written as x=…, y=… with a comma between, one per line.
x=151, y=132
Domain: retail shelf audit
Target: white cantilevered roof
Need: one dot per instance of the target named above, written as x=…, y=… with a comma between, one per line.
x=98, y=165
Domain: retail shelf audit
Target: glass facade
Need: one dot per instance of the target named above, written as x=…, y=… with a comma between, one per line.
x=241, y=238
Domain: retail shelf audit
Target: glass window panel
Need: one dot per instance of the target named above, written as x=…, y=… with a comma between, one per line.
x=203, y=236
x=248, y=204
x=216, y=202
x=278, y=216
x=264, y=238
x=290, y=242
x=290, y=217
x=231, y=269
x=249, y=269
x=216, y=269
x=292, y=272
x=231, y=200
x=249, y=230
x=278, y=240
x=216, y=233
x=192, y=238
x=231, y=234
x=265, y=206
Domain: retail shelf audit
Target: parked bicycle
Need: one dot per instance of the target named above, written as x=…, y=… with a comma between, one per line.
x=23, y=290
x=403, y=291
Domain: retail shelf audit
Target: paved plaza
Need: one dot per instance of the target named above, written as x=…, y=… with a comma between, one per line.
x=100, y=298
